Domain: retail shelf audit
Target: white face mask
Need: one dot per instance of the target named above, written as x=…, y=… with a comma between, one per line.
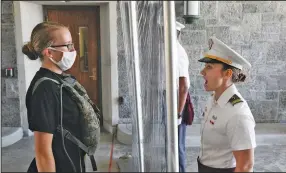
x=67, y=60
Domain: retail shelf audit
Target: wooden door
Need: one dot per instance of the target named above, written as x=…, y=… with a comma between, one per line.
x=83, y=23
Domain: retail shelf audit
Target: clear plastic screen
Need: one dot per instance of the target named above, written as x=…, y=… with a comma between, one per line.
x=152, y=76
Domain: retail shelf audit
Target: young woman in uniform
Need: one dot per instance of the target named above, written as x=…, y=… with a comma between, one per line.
x=52, y=43
x=227, y=132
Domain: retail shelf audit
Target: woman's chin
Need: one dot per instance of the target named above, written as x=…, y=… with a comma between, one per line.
x=207, y=88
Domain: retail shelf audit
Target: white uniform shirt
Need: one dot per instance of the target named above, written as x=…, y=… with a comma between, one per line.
x=182, y=68
x=226, y=128
x=182, y=64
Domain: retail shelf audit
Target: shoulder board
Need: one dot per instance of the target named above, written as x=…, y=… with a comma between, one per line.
x=234, y=100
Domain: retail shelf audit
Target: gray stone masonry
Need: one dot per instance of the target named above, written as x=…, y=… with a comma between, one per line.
x=256, y=30
x=9, y=86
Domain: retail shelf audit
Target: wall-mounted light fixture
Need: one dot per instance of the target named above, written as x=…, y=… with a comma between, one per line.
x=191, y=11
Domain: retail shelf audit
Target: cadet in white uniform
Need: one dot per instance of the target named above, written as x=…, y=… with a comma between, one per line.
x=227, y=131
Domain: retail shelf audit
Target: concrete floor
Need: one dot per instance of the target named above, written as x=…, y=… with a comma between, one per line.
x=17, y=157
x=270, y=155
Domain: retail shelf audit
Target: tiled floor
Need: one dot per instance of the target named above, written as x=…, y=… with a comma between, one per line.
x=17, y=157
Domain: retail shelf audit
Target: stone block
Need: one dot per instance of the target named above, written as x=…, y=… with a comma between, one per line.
x=282, y=100
x=12, y=88
x=275, y=68
x=251, y=22
x=274, y=51
x=199, y=85
x=209, y=9
x=264, y=111
x=7, y=19
x=192, y=84
x=194, y=37
x=194, y=72
x=271, y=27
x=270, y=37
x=3, y=87
x=239, y=37
x=271, y=95
x=258, y=95
x=230, y=13
x=10, y=112
x=195, y=67
x=194, y=52
x=253, y=55
x=197, y=25
x=258, y=84
x=211, y=22
x=249, y=8
x=281, y=7
x=259, y=6
x=283, y=53
x=267, y=6
x=246, y=93
x=283, y=33
x=8, y=56
x=273, y=17
x=7, y=7
x=221, y=32
x=281, y=80
x=272, y=82
x=8, y=35
x=282, y=117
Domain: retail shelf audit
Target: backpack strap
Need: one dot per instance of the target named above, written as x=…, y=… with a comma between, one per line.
x=39, y=81
x=78, y=143
x=74, y=139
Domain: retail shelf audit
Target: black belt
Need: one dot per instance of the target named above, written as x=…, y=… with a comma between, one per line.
x=204, y=168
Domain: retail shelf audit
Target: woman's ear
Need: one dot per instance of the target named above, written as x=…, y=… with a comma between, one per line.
x=228, y=73
x=46, y=52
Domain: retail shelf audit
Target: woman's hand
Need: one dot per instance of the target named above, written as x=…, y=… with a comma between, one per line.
x=44, y=154
x=244, y=160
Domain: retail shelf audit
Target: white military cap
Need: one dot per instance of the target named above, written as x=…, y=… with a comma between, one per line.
x=179, y=26
x=220, y=52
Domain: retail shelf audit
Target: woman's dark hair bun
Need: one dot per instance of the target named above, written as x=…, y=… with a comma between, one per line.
x=241, y=77
x=28, y=50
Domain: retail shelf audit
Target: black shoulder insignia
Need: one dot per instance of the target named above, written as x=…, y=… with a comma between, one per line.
x=235, y=99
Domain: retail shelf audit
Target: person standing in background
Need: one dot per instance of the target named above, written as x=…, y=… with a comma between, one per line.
x=185, y=108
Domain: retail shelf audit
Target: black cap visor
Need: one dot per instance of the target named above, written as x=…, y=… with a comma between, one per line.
x=209, y=60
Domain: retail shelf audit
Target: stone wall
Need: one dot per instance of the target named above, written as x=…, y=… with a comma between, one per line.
x=255, y=29
x=9, y=86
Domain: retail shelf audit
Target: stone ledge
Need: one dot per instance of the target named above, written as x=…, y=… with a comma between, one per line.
x=11, y=135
